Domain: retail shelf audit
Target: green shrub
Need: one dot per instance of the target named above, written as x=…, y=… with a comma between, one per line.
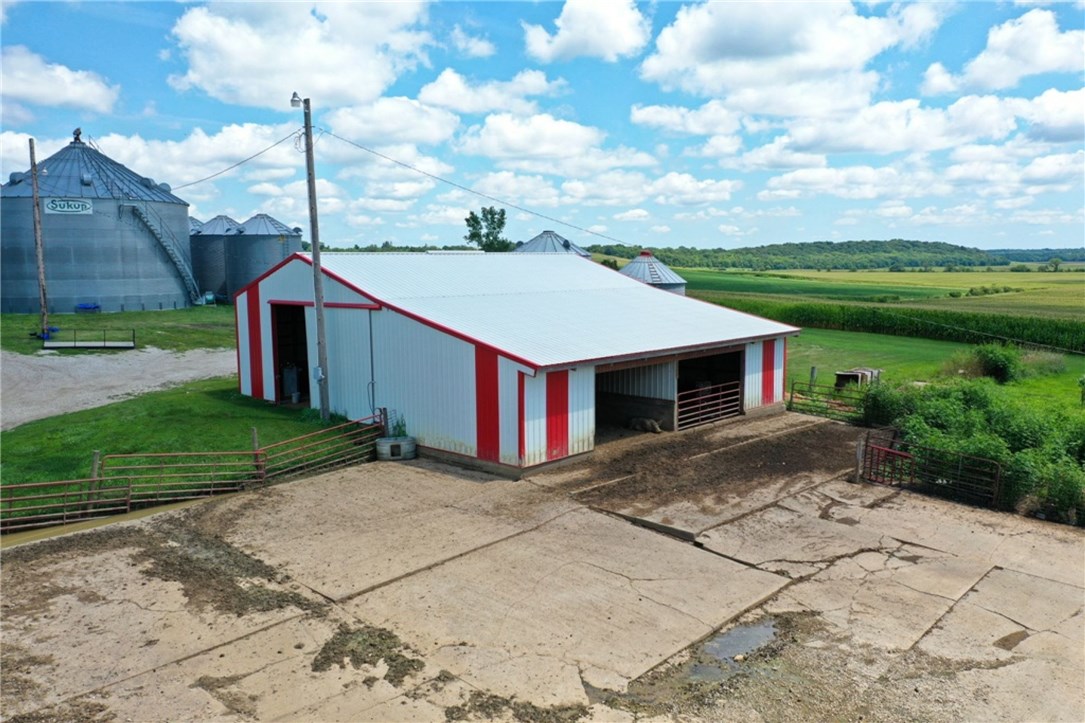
x=1001, y=363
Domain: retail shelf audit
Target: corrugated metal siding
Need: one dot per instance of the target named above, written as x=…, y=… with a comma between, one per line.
x=534, y=420
x=429, y=378
x=349, y=371
x=241, y=306
x=780, y=390
x=751, y=388
x=508, y=391
x=657, y=381
x=581, y=410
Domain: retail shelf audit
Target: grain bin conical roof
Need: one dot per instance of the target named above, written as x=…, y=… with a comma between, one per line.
x=263, y=225
x=79, y=171
x=647, y=268
x=549, y=242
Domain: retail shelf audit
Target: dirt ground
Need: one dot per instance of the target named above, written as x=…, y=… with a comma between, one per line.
x=49, y=383
x=777, y=591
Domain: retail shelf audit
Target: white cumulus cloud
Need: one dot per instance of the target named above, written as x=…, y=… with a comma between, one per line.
x=452, y=90
x=1029, y=45
x=609, y=30
x=255, y=54
x=471, y=46
x=26, y=77
x=394, y=120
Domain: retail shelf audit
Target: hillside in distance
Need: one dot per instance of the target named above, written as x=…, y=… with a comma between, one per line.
x=1040, y=255
x=894, y=253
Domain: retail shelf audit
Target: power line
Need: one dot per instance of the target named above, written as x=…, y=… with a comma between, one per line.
x=293, y=134
x=472, y=191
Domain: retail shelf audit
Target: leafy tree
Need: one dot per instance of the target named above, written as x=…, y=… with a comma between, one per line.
x=1054, y=262
x=485, y=230
x=610, y=264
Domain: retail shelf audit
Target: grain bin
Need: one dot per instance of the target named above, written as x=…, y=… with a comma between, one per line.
x=647, y=268
x=209, y=254
x=111, y=237
x=255, y=246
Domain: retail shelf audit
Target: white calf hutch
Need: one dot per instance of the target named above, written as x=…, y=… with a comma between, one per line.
x=504, y=359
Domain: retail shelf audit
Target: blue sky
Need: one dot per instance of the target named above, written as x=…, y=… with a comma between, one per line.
x=723, y=124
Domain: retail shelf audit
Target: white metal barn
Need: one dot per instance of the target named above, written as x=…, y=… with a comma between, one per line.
x=509, y=360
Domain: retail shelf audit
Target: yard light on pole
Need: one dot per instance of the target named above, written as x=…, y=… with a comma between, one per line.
x=321, y=372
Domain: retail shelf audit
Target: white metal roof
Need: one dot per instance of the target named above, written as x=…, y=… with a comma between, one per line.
x=546, y=309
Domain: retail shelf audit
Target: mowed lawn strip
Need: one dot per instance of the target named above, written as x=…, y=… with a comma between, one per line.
x=202, y=416
x=199, y=327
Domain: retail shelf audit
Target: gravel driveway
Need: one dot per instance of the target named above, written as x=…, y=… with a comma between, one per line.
x=44, y=385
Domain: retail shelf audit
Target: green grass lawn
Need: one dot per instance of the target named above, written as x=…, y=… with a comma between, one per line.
x=207, y=415
x=904, y=359
x=198, y=327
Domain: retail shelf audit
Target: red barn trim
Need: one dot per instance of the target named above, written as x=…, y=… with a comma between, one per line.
x=487, y=405
x=557, y=414
x=768, y=372
x=256, y=342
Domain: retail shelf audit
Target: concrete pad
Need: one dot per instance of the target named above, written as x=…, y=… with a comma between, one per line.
x=778, y=534
x=1037, y=604
x=716, y=508
x=102, y=604
x=969, y=632
x=994, y=537
x=584, y=589
x=377, y=522
x=1030, y=690
x=858, y=596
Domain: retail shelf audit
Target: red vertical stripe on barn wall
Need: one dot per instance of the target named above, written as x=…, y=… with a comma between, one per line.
x=768, y=371
x=557, y=415
x=521, y=427
x=256, y=342
x=487, y=405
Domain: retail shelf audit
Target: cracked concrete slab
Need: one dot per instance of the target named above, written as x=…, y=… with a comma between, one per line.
x=584, y=589
x=779, y=535
x=1036, y=604
x=997, y=538
x=386, y=520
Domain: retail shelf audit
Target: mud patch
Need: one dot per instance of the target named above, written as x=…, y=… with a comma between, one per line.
x=215, y=574
x=367, y=646
x=1011, y=641
x=82, y=711
x=486, y=706
x=16, y=668
x=664, y=473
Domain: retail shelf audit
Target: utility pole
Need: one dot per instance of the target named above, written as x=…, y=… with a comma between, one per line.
x=321, y=372
x=43, y=301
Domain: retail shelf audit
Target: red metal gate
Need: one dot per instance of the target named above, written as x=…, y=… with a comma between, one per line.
x=708, y=404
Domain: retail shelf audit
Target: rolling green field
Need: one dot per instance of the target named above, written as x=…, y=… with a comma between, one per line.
x=198, y=327
x=1055, y=295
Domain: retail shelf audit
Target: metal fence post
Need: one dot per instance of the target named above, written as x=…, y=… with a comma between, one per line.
x=261, y=472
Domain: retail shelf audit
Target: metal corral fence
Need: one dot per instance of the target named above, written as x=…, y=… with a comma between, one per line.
x=708, y=404
x=125, y=482
x=844, y=404
x=887, y=459
x=84, y=339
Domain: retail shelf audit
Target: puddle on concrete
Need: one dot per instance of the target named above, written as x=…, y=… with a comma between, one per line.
x=717, y=659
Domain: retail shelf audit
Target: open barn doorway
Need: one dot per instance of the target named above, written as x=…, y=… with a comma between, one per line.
x=630, y=397
x=291, y=353
x=709, y=388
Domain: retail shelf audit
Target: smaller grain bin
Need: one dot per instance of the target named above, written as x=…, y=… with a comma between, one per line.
x=549, y=242
x=255, y=246
x=208, y=243
x=647, y=268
